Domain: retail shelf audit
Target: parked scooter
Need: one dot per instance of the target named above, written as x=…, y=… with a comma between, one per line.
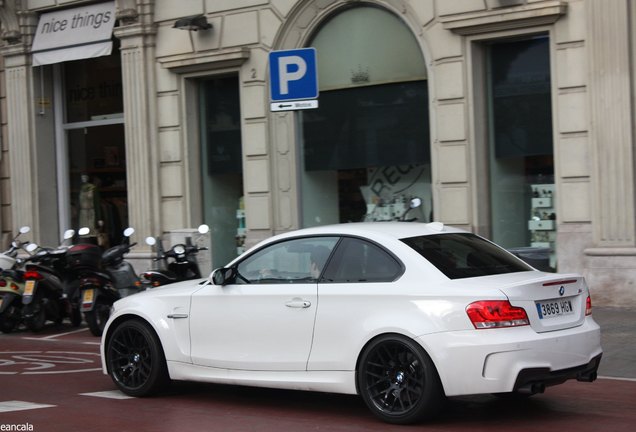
x=47, y=294
x=11, y=285
x=103, y=278
x=179, y=262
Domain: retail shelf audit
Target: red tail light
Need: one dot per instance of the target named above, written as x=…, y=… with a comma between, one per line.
x=588, y=306
x=32, y=274
x=496, y=314
x=3, y=283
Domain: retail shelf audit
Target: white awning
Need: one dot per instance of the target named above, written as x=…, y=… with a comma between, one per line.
x=74, y=34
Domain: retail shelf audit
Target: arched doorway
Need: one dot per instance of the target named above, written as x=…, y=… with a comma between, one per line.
x=366, y=150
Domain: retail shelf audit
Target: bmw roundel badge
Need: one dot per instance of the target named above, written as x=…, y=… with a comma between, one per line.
x=561, y=290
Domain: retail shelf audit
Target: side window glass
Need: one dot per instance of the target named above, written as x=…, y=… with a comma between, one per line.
x=290, y=261
x=357, y=260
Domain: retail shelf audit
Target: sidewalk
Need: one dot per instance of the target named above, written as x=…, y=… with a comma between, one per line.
x=618, y=338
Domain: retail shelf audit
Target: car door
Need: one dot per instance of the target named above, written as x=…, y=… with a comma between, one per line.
x=264, y=318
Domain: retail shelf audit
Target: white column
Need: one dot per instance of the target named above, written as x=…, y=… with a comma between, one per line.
x=611, y=125
x=138, y=81
x=20, y=137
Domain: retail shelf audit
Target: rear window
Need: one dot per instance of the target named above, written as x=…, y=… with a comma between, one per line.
x=465, y=255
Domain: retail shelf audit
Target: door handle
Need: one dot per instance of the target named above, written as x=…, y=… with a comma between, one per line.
x=177, y=316
x=298, y=303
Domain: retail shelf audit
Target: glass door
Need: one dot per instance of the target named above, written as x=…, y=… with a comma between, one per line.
x=91, y=148
x=222, y=166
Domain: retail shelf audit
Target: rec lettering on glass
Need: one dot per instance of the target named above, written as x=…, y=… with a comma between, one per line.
x=390, y=177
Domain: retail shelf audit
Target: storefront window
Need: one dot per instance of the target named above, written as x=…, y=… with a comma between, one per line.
x=98, y=181
x=366, y=149
x=521, y=150
x=96, y=148
x=93, y=89
x=222, y=167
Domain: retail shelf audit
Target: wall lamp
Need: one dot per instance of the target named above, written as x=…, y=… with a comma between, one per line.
x=192, y=23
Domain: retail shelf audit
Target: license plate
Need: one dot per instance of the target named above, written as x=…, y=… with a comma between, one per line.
x=88, y=296
x=29, y=287
x=554, y=308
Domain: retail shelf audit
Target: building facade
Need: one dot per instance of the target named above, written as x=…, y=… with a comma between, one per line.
x=510, y=118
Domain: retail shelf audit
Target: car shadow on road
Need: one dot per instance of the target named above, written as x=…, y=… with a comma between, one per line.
x=332, y=411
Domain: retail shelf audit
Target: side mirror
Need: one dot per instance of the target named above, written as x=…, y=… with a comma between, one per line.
x=415, y=203
x=221, y=276
x=84, y=231
x=129, y=231
x=68, y=234
x=31, y=247
x=204, y=229
x=151, y=241
x=25, y=229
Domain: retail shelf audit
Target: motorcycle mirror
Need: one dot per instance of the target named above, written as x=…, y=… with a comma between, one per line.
x=31, y=247
x=25, y=229
x=415, y=202
x=84, y=231
x=129, y=231
x=68, y=234
x=151, y=241
x=204, y=229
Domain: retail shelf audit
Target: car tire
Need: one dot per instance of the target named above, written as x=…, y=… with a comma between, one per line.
x=398, y=381
x=135, y=359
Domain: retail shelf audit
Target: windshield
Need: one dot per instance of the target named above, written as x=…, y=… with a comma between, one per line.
x=465, y=255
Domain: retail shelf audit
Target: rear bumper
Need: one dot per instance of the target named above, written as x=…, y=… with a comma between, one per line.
x=535, y=380
x=514, y=359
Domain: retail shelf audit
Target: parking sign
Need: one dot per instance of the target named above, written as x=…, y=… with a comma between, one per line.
x=293, y=74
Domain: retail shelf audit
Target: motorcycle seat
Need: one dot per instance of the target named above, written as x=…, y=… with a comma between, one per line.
x=98, y=274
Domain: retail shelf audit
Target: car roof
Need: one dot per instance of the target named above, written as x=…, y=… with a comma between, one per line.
x=375, y=230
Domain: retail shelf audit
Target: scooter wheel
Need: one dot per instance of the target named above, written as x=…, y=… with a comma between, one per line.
x=76, y=317
x=97, y=318
x=35, y=316
x=10, y=319
x=7, y=325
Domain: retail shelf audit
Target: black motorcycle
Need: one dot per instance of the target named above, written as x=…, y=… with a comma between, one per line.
x=11, y=285
x=48, y=295
x=179, y=262
x=103, y=278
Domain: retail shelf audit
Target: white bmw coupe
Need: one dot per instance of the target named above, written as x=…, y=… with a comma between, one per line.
x=403, y=314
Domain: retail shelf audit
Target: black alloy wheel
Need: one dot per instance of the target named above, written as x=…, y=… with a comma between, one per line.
x=135, y=359
x=398, y=381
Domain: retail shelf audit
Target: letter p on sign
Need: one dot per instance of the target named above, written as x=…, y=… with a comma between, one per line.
x=293, y=74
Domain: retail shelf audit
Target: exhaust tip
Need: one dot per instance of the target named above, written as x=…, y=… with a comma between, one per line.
x=587, y=377
x=530, y=389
